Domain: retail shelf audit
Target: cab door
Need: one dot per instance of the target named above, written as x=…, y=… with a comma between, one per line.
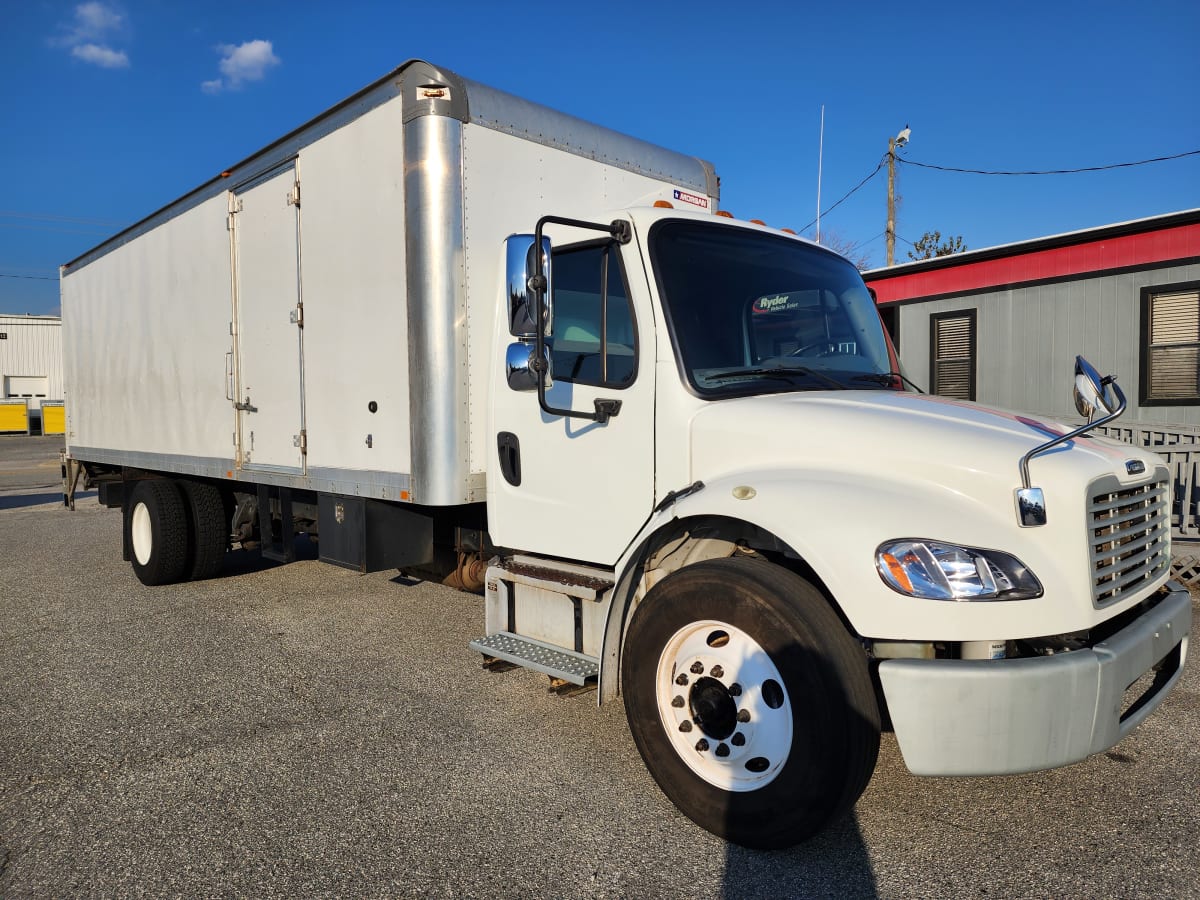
x=571, y=487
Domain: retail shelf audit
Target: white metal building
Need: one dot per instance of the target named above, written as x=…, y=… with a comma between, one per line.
x=31, y=365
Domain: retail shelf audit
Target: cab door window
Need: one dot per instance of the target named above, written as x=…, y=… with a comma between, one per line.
x=595, y=341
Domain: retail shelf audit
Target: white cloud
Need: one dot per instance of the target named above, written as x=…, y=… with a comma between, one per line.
x=239, y=64
x=93, y=20
x=105, y=57
x=90, y=35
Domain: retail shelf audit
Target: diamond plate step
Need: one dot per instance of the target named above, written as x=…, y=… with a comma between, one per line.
x=554, y=661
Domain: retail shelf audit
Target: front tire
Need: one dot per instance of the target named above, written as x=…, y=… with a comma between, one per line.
x=751, y=704
x=156, y=532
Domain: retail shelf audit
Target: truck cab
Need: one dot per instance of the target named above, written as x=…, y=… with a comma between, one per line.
x=771, y=544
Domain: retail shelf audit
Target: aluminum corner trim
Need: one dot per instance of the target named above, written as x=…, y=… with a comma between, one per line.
x=437, y=309
x=431, y=91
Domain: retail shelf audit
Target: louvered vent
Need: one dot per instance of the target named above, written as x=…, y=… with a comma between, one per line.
x=1174, y=346
x=954, y=356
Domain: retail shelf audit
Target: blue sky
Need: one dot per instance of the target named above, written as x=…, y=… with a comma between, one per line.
x=110, y=110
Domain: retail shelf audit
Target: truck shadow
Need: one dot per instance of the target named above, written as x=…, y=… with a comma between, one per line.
x=834, y=863
x=21, y=501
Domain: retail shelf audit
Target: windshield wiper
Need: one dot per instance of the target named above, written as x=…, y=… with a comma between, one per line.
x=887, y=379
x=781, y=372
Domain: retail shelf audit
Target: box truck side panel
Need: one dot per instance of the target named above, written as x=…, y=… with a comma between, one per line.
x=355, y=322
x=146, y=338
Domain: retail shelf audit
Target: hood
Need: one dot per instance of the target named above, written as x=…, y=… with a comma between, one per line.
x=906, y=437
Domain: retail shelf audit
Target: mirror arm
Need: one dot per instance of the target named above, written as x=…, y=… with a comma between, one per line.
x=622, y=232
x=1063, y=438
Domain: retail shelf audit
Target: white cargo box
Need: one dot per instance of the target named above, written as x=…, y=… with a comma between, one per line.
x=319, y=315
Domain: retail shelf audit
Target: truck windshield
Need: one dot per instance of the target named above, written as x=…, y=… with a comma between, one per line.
x=751, y=313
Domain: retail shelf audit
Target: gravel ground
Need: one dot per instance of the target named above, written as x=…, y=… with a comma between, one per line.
x=302, y=730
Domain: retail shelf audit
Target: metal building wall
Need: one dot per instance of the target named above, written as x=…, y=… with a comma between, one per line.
x=1028, y=338
x=32, y=347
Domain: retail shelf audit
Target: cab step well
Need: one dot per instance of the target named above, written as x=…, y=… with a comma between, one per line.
x=547, y=616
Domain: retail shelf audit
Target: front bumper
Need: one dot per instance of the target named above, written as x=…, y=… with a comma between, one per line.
x=1001, y=717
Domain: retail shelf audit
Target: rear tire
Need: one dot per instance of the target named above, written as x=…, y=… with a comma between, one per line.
x=156, y=532
x=750, y=702
x=208, y=530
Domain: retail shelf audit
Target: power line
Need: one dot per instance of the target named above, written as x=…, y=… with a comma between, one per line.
x=31, y=277
x=1124, y=165
x=848, y=193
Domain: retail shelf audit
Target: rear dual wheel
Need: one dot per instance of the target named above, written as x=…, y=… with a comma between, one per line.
x=175, y=530
x=751, y=704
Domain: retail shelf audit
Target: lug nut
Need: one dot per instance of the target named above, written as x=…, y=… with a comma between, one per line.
x=685, y=726
x=701, y=745
x=743, y=715
x=697, y=668
x=717, y=672
x=677, y=702
x=681, y=680
x=722, y=749
x=735, y=690
x=738, y=740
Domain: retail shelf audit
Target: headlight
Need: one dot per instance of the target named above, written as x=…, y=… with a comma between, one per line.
x=938, y=571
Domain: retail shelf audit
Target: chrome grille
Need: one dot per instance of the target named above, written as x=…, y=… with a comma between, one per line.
x=1130, y=537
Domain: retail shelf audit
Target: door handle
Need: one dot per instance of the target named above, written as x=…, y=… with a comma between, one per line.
x=246, y=407
x=229, y=375
x=509, y=446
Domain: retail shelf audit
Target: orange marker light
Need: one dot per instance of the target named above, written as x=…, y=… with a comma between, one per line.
x=897, y=571
x=724, y=212
x=664, y=204
x=404, y=495
x=787, y=231
x=758, y=221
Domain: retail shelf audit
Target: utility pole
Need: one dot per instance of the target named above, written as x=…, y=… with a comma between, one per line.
x=894, y=144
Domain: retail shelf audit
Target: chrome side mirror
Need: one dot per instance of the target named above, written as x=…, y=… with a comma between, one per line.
x=520, y=261
x=519, y=370
x=1092, y=392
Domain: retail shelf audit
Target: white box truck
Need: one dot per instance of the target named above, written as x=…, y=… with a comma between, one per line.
x=670, y=447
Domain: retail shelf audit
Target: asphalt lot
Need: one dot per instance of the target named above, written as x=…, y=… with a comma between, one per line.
x=302, y=730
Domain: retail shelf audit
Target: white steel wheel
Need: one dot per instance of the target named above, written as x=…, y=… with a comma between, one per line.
x=156, y=531
x=749, y=701
x=141, y=535
x=723, y=703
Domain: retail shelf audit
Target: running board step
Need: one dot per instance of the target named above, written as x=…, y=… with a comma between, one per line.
x=554, y=661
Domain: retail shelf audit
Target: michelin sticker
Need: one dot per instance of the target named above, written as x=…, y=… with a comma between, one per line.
x=695, y=199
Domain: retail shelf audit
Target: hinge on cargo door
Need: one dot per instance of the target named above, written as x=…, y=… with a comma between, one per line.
x=301, y=440
x=293, y=197
x=297, y=316
x=235, y=207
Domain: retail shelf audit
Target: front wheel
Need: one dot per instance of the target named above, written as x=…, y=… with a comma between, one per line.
x=750, y=703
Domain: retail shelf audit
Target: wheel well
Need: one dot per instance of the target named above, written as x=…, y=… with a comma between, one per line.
x=684, y=542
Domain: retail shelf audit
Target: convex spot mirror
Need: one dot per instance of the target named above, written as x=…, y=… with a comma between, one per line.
x=1093, y=394
x=520, y=267
x=518, y=367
